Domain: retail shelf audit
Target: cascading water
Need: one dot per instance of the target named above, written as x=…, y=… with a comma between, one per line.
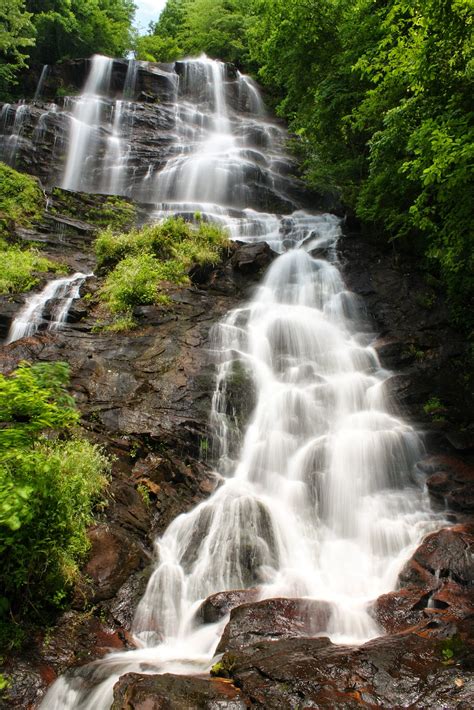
x=320, y=497
x=59, y=294
x=86, y=119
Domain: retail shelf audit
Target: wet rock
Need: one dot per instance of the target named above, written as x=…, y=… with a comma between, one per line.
x=251, y=258
x=114, y=555
x=450, y=480
x=390, y=672
x=446, y=554
x=416, y=338
x=176, y=692
x=125, y=601
x=274, y=619
x=219, y=605
x=398, y=611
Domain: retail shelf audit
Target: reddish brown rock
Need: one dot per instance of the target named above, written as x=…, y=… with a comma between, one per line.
x=219, y=605
x=171, y=692
x=274, y=619
x=400, y=610
x=402, y=671
x=451, y=480
x=445, y=554
x=114, y=555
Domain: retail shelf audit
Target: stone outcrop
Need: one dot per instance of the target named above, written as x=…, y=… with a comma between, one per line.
x=174, y=692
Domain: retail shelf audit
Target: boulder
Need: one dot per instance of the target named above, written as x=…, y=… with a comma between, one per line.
x=176, y=692
x=251, y=258
x=219, y=605
x=446, y=554
x=274, y=619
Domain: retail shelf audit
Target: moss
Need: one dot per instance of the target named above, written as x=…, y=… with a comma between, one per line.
x=102, y=211
x=21, y=200
x=224, y=668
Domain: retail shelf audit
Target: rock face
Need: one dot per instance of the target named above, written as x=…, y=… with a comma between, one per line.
x=433, y=384
x=390, y=672
x=171, y=692
x=435, y=585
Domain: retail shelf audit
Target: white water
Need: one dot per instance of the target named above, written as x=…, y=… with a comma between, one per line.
x=86, y=119
x=57, y=296
x=319, y=497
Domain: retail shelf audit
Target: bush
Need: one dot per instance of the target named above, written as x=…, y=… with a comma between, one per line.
x=21, y=199
x=49, y=480
x=136, y=279
x=18, y=267
x=145, y=259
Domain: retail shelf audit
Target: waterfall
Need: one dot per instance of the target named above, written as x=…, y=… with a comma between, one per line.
x=320, y=497
x=59, y=295
x=40, y=85
x=86, y=121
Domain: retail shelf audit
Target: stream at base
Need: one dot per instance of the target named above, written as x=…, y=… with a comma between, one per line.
x=319, y=497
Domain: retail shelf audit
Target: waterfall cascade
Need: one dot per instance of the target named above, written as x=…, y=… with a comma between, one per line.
x=320, y=496
x=57, y=296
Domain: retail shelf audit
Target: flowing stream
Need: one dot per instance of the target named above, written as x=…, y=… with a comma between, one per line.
x=57, y=297
x=320, y=497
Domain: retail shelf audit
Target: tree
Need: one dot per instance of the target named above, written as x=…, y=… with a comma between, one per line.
x=16, y=34
x=79, y=28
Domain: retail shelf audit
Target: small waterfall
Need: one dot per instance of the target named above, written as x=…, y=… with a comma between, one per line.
x=86, y=121
x=59, y=294
x=12, y=132
x=320, y=497
x=42, y=79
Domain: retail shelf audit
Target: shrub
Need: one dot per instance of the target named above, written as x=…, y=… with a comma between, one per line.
x=21, y=199
x=148, y=258
x=135, y=281
x=172, y=239
x=49, y=480
x=18, y=267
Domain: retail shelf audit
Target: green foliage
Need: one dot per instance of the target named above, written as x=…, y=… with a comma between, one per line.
x=78, y=28
x=378, y=94
x=144, y=260
x=21, y=199
x=121, y=324
x=47, y=488
x=47, y=31
x=19, y=269
x=451, y=648
x=225, y=667
x=189, y=27
x=136, y=279
x=435, y=409
x=16, y=34
x=154, y=48
x=144, y=493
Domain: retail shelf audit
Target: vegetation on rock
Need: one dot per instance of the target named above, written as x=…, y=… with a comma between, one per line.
x=99, y=210
x=21, y=199
x=141, y=262
x=21, y=204
x=50, y=478
x=20, y=268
